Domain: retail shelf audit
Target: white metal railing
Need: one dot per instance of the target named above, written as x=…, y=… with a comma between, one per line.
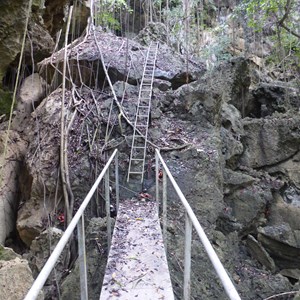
x=78, y=220
x=190, y=221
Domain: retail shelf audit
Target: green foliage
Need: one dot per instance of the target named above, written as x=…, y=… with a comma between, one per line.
x=260, y=13
x=108, y=12
x=5, y=102
x=217, y=51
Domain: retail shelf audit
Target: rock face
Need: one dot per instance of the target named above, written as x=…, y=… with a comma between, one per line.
x=10, y=181
x=235, y=154
x=11, y=31
x=42, y=170
x=270, y=141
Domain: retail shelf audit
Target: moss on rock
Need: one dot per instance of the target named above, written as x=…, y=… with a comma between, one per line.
x=5, y=102
x=7, y=253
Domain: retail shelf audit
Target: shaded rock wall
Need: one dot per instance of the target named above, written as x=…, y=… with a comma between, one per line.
x=9, y=183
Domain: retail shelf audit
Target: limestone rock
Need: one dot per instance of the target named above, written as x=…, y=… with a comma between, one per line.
x=84, y=55
x=284, y=212
x=282, y=244
x=194, y=102
x=232, y=80
x=246, y=208
x=291, y=273
x=231, y=119
x=11, y=31
x=15, y=279
x=232, y=147
x=258, y=252
x=270, y=141
x=53, y=15
x=39, y=42
x=290, y=168
x=234, y=180
x=41, y=248
x=96, y=247
x=42, y=172
x=277, y=96
x=10, y=187
x=32, y=91
x=152, y=32
x=7, y=254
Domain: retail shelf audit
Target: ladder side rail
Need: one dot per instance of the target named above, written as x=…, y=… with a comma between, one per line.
x=218, y=266
x=50, y=264
x=136, y=115
x=149, y=104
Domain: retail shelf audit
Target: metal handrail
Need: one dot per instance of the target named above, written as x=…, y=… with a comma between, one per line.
x=78, y=220
x=191, y=220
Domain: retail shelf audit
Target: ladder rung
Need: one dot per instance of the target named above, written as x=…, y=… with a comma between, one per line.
x=134, y=172
x=137, y=159
x=138, y=147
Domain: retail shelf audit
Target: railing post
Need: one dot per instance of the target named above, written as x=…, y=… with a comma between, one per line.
x=117, y=181
x=156, y=179
x=82, y=259
x=187, y=257
x=107, y=206
x=165, y=176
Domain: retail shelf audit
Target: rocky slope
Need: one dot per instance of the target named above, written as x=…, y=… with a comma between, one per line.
x=231, y=141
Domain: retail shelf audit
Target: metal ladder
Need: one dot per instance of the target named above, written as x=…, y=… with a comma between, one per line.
x=142, y=117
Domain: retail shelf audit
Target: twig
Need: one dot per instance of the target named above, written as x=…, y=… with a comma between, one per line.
x=281, y=294
x=63, y=142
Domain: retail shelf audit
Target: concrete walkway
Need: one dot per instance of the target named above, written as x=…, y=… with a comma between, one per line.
x=137, y=266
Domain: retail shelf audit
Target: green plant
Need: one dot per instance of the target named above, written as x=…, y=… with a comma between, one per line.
x=108, y=11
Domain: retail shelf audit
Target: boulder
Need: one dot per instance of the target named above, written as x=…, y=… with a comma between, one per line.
x=258, y=252
x=282, y=243
x=15, y=279
x=270, y=141
x=124, y=59
x=194, y=102
x=12, y=169
x=246, y=208
x=32, y=91
x=39, y=42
